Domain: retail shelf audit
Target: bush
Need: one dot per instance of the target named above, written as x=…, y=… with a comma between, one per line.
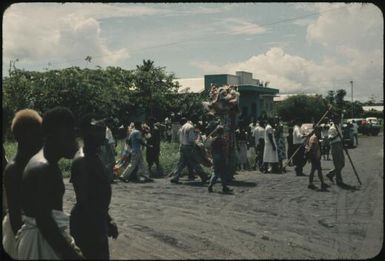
x=10, y=148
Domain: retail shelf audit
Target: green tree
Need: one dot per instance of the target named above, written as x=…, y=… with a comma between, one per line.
x=307, y=108
x=106, y=92
x=151, y=87
x=357, y=106
x=330, y=97
x=110, y=92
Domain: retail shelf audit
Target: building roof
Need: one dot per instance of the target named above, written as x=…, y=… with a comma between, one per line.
x=373, y=108
x=255, y=88
x=282, y=97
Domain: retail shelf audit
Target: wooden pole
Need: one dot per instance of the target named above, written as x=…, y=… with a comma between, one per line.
x=311, y=133
x=347, y=153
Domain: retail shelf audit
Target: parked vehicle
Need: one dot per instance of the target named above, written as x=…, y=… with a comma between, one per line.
x=371, y=126
x=372, y=120
x=348, y=135
x=368, y=126
x=360, y=122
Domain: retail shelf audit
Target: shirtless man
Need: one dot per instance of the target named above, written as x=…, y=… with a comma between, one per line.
x=44, y=235
x=90, y=223
x=26, y=128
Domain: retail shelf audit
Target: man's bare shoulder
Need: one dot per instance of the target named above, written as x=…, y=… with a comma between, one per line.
x=38, y=160
x=37, y=165
x=9, y=170
x=79, y=160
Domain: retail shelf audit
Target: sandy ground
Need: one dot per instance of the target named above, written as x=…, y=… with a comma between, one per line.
x=269, y=216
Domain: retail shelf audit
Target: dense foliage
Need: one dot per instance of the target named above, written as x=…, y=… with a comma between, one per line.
x=311, y=108
x=125, y=95
x=308, y=108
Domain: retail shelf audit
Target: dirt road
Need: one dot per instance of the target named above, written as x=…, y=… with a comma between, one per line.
x=269, y=216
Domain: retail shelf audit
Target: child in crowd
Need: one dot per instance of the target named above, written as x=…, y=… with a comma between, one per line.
x=313, y=152
x=219, y=161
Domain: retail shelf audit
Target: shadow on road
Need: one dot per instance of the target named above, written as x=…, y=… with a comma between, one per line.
x=348, y=187
x=238, y=183
x=235, y=183
x=194, y=183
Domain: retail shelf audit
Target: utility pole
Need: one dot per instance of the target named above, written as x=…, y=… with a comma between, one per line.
x=351, y=83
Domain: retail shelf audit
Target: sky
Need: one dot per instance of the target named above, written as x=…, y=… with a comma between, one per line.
x=296, y=47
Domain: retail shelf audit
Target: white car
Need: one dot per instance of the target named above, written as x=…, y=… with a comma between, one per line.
x=372, y=120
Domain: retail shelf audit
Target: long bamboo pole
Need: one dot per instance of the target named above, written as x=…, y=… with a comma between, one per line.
x=347, y=153
x=311, y=133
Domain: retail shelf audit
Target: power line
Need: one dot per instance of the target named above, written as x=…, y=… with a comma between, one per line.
x=192, y=38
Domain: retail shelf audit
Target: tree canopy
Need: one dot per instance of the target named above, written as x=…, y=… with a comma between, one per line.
x=311, y=108
x=307, y=108
x=148, y=91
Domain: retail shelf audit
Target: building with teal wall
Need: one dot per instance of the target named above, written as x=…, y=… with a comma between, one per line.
x=255, y=99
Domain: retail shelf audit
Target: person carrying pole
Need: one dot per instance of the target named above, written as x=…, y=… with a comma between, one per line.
x=298, y=140
x=337, y=153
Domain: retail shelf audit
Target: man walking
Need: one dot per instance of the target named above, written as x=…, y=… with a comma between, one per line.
x=299, y=160
x=153, y=152
x=187, y=137
x=337, y=154
x=219, y=159
x=136, y=142
x=314, y=151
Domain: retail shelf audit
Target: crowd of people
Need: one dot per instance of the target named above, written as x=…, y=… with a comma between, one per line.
x=35, y=226
x=273, y=149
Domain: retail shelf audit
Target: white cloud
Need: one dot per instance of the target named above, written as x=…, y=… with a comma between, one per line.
x=353, y=34
x=38, y=33
x=351, y=37
x=53, y=32
x=191, y=84
x=236, y=26
x=192, y=9
x=304, y=6
x=243, y=27
x=295, y=74
x=303, y=22
x=354, y=25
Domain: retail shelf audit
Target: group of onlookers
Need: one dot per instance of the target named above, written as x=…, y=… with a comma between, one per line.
x=35, y=226
x=271, y=151
x=267, y=138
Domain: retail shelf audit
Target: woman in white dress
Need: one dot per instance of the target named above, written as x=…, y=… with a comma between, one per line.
x=270, y=153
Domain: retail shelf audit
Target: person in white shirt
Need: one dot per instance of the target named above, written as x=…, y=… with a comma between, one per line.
x=259, y=134
x=337, y=154
x=325, y=146
x=187, y=137
x=299, y=160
